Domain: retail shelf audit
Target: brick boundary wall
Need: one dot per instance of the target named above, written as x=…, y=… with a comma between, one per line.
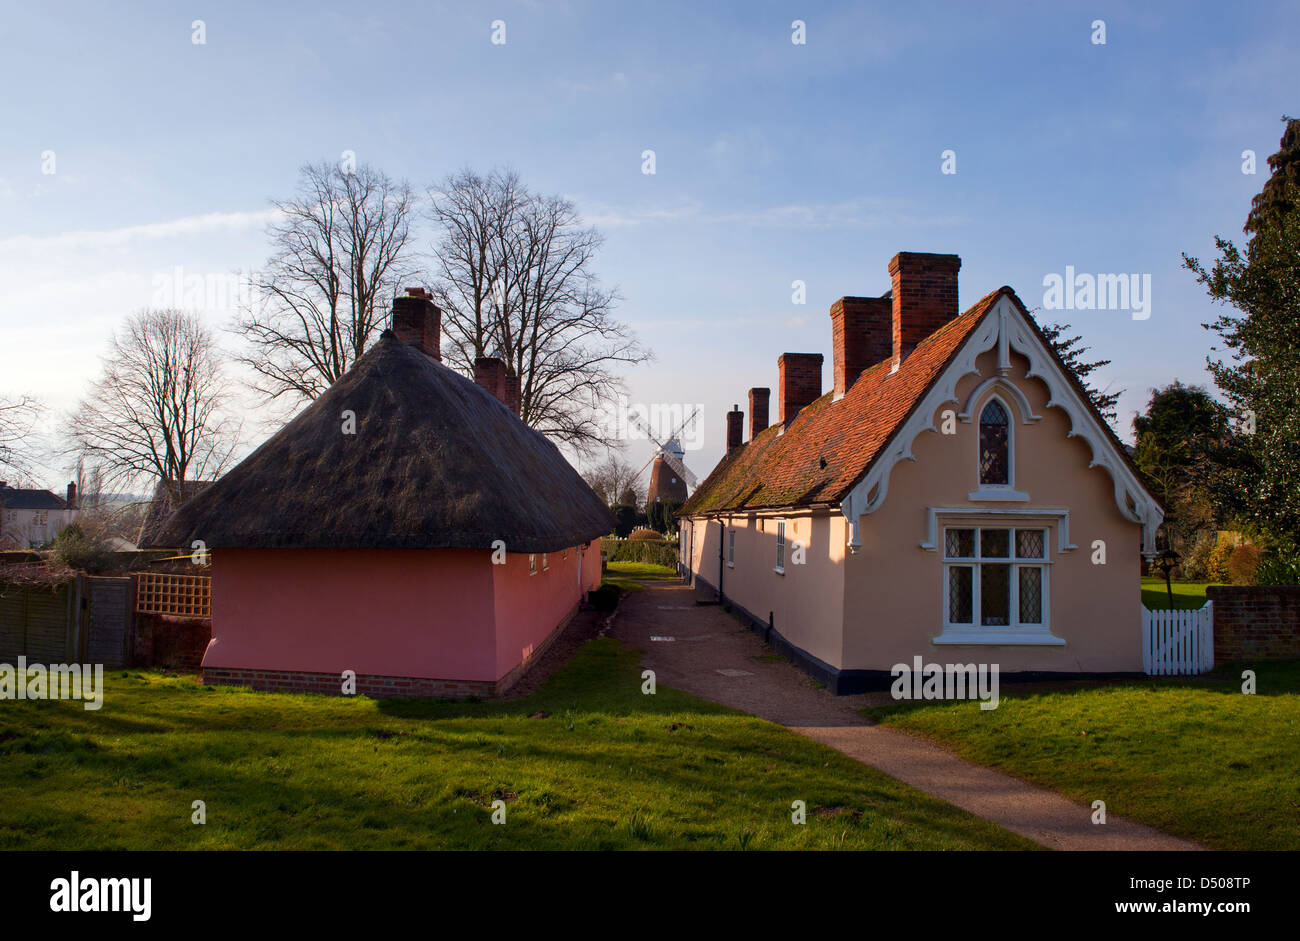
x=1257, y=622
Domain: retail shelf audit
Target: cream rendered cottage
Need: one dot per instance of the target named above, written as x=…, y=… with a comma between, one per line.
x=956, y=496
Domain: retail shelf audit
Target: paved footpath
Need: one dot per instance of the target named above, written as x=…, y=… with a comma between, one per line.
x=712, y=656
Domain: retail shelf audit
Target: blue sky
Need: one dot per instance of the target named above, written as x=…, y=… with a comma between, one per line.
x=774, y=161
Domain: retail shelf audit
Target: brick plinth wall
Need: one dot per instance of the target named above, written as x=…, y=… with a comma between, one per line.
x=331, y=684
x=1255, y=622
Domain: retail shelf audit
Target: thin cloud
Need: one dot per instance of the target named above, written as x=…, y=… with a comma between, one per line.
x=103, y=238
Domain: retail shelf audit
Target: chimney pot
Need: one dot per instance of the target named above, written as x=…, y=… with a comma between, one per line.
x=735, y=428
x=758, y=411
x=924, y=290
x=801, y=381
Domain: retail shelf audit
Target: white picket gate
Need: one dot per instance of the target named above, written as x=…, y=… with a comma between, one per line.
x=1178, y=642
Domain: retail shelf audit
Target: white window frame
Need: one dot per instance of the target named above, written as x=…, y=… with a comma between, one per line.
x=780, y=548
x=731, y=548
x=997, y=492
x=546, y=562
x=532, y=563
x=1032, y=634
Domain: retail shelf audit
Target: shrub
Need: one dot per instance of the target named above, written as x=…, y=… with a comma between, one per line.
x=1243, y=563
x=1279, y=565
x=604, y=598
x=74, y=550
x=646, y=534
x=1195, y=565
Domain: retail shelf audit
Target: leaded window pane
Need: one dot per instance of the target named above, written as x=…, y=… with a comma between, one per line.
x=959, y=543
x=995, y=595
x=995, y=439
x=960, y=594
x=1029, y=543
x=1031, y=595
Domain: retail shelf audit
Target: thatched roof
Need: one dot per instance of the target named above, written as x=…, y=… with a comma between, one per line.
x=436, y=462
x=162, y=506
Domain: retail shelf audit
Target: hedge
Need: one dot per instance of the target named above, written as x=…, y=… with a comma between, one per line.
x=640, y=550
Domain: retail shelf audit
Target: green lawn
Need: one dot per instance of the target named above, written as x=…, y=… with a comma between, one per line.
x=608, y=767
x=629, y=575
x=1193, y=757
x=1186, y=594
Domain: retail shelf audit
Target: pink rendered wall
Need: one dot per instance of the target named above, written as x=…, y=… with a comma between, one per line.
x=530, y=607
x=393, y=612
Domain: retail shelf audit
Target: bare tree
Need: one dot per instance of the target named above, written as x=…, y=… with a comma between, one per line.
x=613, y=479
x=515, y=280
x=341, y=248
x=158, y=410
x=18, y=417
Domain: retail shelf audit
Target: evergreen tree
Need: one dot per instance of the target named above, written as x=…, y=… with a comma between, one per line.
x=1071, y=351
x=1260, y=373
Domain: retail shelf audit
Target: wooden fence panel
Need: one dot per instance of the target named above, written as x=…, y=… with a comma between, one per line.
x=34, y=623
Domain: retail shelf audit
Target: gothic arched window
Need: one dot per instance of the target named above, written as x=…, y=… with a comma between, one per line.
x=995, y=444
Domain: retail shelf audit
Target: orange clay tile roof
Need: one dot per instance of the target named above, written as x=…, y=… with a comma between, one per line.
x=829, y=446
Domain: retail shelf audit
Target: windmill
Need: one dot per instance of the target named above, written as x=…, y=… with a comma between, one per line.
x=669, y=477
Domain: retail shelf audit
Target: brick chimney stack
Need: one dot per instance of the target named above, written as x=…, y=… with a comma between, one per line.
x=862, y=333
x=758, y=411
x=735, y=428
x=418, y=322
x=925, y=297
x=72, y=495
x=514, y=399
x=490, y=375
x=801, y=381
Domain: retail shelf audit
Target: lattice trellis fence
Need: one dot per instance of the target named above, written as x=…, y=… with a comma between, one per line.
x=181, y=596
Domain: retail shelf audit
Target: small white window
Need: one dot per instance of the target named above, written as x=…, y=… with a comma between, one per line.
x=546, y=563
x=780, y=546
x=40, y=517
x=532, y=563
x=731, y=548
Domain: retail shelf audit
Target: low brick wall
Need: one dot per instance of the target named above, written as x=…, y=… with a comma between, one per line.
x=171, y=643
x=331, y=684
x=1255, y=622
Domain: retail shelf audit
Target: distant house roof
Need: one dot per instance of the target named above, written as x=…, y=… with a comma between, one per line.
x=830, y=445
x=15, y=498
x=435, y=462
x=161, y=507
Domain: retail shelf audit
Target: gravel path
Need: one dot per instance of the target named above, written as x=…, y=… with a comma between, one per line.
x=711, y=656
